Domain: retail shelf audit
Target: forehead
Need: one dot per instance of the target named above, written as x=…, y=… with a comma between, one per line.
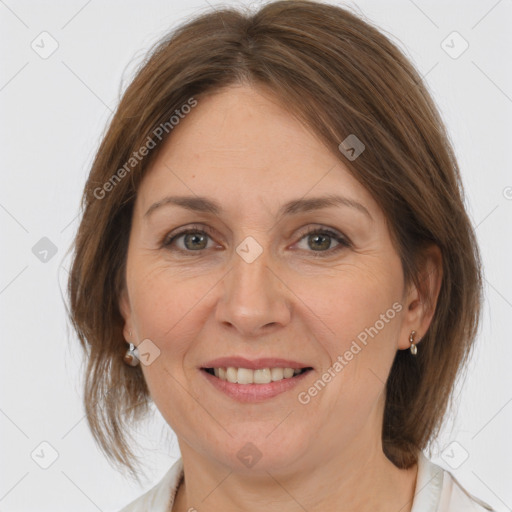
x=241, y=146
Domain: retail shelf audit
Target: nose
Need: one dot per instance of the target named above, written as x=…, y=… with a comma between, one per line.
x=255, y=300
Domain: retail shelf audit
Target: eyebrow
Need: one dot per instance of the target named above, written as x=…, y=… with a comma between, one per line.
x=294, y=207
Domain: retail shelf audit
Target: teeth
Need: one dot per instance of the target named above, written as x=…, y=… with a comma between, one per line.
x=260, y=376
x=245, y=376
x=277, y=373
x=231, y=374
x=288, y=372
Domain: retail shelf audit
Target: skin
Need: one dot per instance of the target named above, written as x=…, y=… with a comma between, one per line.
x=242, y=149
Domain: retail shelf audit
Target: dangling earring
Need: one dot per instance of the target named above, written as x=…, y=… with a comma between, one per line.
x=131, y=356
x=413, y=348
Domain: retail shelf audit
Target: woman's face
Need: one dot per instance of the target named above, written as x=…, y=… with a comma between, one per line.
x=268, y=271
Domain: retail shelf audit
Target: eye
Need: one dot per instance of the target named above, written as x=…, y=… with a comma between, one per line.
x=320, y=240
x=192, y=239
x=195, y=239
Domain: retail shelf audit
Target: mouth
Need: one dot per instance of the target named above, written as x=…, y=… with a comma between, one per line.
x=247, y=376
x=254, y=381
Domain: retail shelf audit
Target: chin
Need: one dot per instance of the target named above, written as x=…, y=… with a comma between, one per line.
x=256, y=450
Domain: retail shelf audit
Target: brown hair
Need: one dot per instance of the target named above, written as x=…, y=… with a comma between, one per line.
x=339, y=75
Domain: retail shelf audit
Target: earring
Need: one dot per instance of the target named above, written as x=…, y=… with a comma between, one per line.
x=413, y=348
x=131, y=356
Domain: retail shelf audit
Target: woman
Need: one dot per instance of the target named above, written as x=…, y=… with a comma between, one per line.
x=274, y=250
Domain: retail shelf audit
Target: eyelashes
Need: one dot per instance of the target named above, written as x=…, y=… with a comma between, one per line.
x=205, y=234
x=342, y=241
x=170, y=240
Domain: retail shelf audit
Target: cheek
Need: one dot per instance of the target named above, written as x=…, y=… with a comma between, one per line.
x=167, y=306
x=360, y=317
x=356, y=302
x=361, y=321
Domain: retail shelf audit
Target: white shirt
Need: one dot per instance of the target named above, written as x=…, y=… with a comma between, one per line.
x=436, y=491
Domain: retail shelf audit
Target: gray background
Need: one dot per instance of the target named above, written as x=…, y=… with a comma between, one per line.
x=53, y=111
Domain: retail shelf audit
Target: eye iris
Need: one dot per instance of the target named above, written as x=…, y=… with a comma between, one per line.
x=197, y=240
x=326, y=240
x=194, y=237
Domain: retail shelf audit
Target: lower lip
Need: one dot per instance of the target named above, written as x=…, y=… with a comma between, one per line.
x=254, y=392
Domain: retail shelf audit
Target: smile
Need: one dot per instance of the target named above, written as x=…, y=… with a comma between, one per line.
x=254, y=385
x=259, y=376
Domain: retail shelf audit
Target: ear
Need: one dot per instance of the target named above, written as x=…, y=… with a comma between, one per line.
x=126, y=313
x=420, y=301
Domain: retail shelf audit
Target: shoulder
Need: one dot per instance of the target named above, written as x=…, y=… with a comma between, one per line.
x=437, y=490
x=455, y=497
x=160, y=497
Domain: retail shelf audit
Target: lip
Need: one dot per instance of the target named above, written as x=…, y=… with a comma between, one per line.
x=254, y=392
x=254, y=364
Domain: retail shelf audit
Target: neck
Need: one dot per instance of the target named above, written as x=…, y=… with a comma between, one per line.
x=366, y=482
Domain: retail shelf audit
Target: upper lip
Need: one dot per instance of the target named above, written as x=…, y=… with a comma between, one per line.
x=254, y=364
